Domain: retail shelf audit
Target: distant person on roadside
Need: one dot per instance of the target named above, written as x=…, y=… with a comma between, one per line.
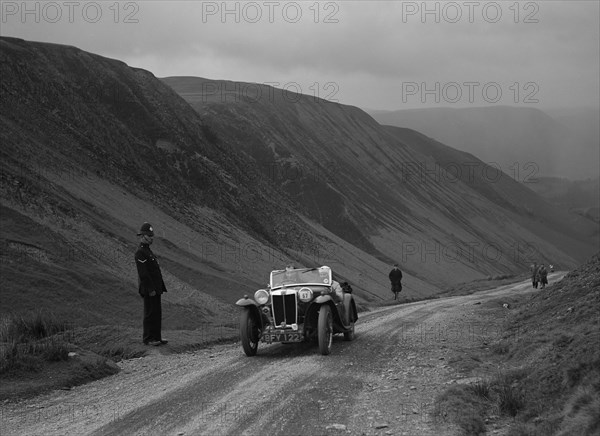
x=150, y=287
x=534, y=276
x=395, y=276
x=551, y=268
x=543, y=273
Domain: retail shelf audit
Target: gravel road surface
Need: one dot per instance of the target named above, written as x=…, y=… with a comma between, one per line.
x=382, y=383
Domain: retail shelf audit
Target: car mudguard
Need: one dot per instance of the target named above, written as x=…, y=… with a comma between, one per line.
x=246, y=302
x=252, y=306
x=350, y=308
x=338, y=322
x=323, y=299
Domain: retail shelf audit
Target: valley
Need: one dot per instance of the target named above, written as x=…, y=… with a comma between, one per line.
x=235, y=186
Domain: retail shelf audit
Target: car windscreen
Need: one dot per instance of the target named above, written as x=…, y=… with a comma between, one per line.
x=314, y=276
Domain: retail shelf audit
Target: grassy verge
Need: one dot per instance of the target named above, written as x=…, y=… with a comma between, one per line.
x=403, y=300
x=547, y=360
x=490, y=282
x=38, y=352
x=467, y=288
x=475, y=405
x=28, y=341
x=118, y=342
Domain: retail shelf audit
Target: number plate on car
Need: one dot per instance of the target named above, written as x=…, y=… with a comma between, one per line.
x=282, y=337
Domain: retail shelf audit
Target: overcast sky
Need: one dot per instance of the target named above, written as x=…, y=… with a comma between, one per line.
x=372, y=54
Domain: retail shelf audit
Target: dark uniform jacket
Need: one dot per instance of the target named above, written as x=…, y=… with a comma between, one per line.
x=150, y=277
x=395, y=276
x=535, y=273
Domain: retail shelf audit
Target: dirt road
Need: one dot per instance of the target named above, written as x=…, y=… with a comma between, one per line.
x=384, y=382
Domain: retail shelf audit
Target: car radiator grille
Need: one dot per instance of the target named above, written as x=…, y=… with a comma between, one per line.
x=284, y=309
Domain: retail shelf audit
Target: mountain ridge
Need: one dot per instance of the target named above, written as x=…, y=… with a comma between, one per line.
x=301, y=145
x=92, y=148
x=521, y=140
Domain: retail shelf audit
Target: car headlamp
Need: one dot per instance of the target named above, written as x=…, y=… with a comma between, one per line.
x=261, y=296
x=305, y=294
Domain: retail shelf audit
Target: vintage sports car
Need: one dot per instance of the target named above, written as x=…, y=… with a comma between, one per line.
x=298, y=305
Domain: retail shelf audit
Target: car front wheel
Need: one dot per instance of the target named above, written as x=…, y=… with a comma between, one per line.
x=325, y=329
x=249, y=333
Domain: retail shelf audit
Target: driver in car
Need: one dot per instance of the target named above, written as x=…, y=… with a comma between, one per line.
x=290, y=276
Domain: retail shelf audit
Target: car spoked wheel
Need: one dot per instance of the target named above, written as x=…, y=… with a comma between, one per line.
x=249, y=333
x=325, y=329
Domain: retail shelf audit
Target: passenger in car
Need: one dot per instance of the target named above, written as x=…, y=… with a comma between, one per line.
x=337, y=289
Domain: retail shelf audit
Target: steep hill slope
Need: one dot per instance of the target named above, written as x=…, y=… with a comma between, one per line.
x=525, y=142
x=580, y=196
x=91, y=148
x=549, y=222
x=385, y=191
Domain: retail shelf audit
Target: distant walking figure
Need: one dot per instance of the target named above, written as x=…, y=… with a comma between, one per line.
x=534, y=276
x=150, y=287
x=543, y=273
x=396, y=280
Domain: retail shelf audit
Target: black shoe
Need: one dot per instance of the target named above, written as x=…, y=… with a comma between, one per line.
x=153, y=343
x=163, y=342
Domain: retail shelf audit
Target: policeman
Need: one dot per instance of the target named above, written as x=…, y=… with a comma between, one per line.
x=151, y=286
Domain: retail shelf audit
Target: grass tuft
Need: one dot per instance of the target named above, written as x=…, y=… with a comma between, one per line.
x=510, y=400
x=481, y=389
x=509, y=397
x=460, y=406
x=27, y=340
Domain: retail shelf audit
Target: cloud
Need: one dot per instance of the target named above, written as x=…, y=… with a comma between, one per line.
x=360, y=45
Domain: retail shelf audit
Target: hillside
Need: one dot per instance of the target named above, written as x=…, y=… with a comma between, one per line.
x=525, y=142
x=392, y=192
x=580, y=196
x=553, y=344
x=550, y=223
x=92, y=148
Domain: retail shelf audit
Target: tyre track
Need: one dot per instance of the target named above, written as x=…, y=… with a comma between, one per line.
x=285, y=389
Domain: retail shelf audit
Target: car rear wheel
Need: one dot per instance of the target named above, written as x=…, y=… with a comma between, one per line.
x=349, y=335
x=249, y=333
x=325, y=329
